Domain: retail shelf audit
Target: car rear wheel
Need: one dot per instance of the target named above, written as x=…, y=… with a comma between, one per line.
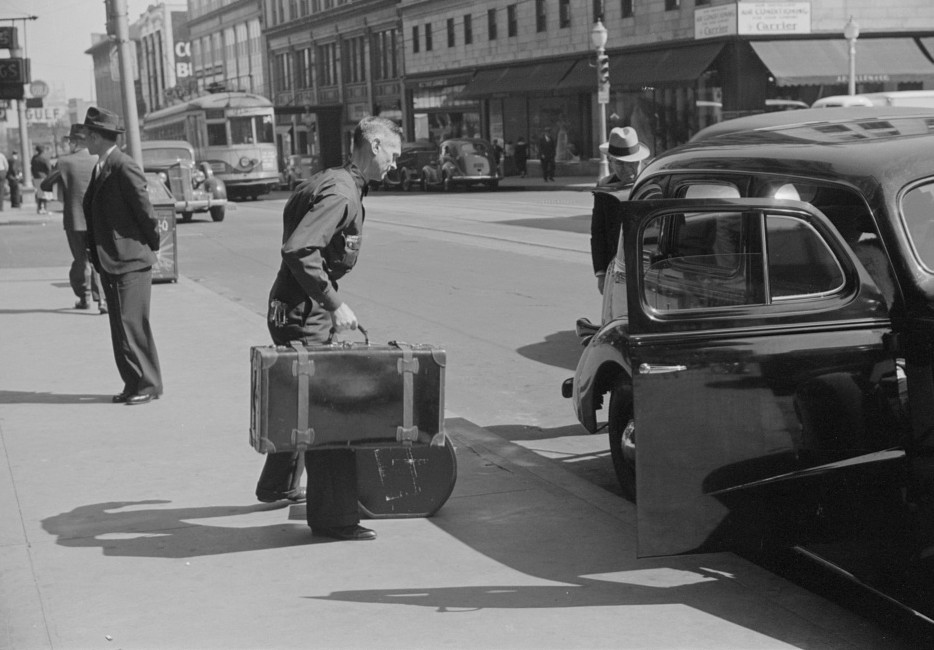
x=447, y=184
x=186, y=217
x=622, y=434
x=218, y=212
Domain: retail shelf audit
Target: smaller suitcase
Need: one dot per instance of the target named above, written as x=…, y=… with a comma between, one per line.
x=405, y=480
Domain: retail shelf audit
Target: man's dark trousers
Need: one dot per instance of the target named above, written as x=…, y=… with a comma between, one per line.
x=128, y=297
x=84, y=280
x=332, y=473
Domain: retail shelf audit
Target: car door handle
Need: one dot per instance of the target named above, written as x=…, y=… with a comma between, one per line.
x=649, y=369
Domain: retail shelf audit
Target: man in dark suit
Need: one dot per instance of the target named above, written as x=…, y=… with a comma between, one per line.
x=73, y=175
x=122, y=240
x=547, y=149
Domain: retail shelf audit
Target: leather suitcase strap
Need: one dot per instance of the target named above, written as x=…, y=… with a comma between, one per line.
x=407, y=367
x=303, y=436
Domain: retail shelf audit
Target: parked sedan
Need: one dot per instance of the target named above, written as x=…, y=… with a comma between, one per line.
x=407, y=174
x=767, y=345
x=193, y=185
x=462, y=162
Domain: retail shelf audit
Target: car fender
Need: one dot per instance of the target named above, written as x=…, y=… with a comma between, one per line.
x=215, y=187
x=604, y=364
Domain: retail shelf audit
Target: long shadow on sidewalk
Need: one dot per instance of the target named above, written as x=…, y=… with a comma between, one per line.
x=167, y=532
x=33, y=397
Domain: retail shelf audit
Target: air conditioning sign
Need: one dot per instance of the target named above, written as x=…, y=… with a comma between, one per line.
x=770, y=18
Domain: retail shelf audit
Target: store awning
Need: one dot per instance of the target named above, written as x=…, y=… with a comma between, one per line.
x=815, y=62
x=660, y=67
x=517, y=79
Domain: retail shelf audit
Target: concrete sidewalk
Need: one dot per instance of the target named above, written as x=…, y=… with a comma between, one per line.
x=136, y=527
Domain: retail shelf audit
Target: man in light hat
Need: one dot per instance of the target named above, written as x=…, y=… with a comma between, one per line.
x=123, y=240
x=73, y=175
x=626, y=155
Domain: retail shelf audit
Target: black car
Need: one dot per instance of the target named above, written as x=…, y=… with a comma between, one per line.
x=407, y=173
x=193, y=185
x=765, y=360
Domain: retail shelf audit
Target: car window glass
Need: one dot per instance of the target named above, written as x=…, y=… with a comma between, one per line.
x=799, y=261
x=698, y=261
x=711, y=191
x=917, y=209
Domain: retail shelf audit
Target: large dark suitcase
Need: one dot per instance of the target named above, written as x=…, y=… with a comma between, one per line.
x=340, y=393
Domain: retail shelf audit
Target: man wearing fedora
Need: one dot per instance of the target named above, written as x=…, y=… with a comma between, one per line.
x=625, y=154
x=122, y=241
x=73, y=175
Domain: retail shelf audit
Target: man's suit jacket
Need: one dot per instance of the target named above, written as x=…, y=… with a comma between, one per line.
x=122, y=234
x=73, y=173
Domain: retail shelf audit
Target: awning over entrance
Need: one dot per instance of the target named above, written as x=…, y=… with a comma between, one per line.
x=517, y=79
x=660, y=67
x=815, y=62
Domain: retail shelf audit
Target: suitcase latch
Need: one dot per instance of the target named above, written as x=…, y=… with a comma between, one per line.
x=303, y=438
x=406, y=434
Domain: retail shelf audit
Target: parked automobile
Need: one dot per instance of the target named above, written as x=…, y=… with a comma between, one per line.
x=837, y=101
x=461, y=162
x=192, y=184
x=407, y=174
x=767, y=345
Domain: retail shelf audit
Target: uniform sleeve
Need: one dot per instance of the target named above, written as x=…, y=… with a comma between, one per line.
x=133, y=188
x=302, y=250
x=598, y=235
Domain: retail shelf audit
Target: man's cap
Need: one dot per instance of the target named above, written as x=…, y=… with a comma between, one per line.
x=100, y=119
x=624, y=145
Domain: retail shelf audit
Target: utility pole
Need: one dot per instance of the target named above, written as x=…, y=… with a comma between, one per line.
x=119, y=29
x=20, y=78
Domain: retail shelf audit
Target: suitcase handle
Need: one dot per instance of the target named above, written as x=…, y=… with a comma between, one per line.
x=366, y=336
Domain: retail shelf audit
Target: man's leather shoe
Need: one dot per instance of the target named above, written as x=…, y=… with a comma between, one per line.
x=141, y=398
x=295, y=496
x=120, y=399
x=83, y=304
x=355, y=532
x=103, y=308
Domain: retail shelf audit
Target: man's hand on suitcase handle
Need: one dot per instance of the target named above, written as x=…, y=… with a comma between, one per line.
x=343, y=318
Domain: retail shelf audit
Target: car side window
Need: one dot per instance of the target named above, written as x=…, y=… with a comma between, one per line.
x=800, y=262
x=716, y=260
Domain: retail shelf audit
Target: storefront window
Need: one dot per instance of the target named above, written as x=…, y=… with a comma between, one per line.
x=563, y=118
x=440, y=114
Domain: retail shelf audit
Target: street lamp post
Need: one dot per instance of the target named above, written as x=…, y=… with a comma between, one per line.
x=851, y=33
x=598, y=38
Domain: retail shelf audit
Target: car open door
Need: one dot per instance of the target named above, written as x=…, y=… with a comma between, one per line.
x=761, y=377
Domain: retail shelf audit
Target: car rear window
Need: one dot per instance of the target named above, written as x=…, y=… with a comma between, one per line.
x=918, y=215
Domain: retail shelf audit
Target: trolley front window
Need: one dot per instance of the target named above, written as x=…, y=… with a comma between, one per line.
x=217, y=134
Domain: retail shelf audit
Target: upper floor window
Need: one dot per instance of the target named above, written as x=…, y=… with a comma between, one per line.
x=626, y=8
x=428, y=43
x=541, y=19
x=450, y=32
x=671, y=5
x=468, y=29
x=512, y=25
x=491, y=23
x=327, y=64
x=385, y=56
x=564, y=13
x=354, y=59
x=415, y=47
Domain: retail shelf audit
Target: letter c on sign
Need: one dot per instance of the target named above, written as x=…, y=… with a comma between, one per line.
x=183, y=49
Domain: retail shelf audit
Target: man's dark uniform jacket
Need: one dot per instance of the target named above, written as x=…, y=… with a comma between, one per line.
x=605, y=222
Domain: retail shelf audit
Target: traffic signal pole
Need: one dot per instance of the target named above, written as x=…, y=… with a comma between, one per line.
x=116, y=18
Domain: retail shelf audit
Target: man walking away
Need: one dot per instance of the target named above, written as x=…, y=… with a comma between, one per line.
x=73, y=175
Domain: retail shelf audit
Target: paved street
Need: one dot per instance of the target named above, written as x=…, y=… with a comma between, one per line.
x=136, y=528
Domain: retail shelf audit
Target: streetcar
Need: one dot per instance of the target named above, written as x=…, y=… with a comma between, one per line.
x=233, y=132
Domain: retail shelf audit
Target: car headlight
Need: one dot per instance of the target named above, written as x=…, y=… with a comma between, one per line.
x=164, y=177
x=198, y=177
x=245, y=162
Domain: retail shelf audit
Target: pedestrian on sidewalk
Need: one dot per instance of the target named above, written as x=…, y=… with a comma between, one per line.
x=322, y=233
x=522, y=156
x=41, y=167
x=14, y=177
x=73, y=175
x=547, y=149
x=4, y=167
x=122, y=241
x=626, y=155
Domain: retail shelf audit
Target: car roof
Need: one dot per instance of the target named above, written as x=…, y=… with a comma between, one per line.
x=833, y=143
